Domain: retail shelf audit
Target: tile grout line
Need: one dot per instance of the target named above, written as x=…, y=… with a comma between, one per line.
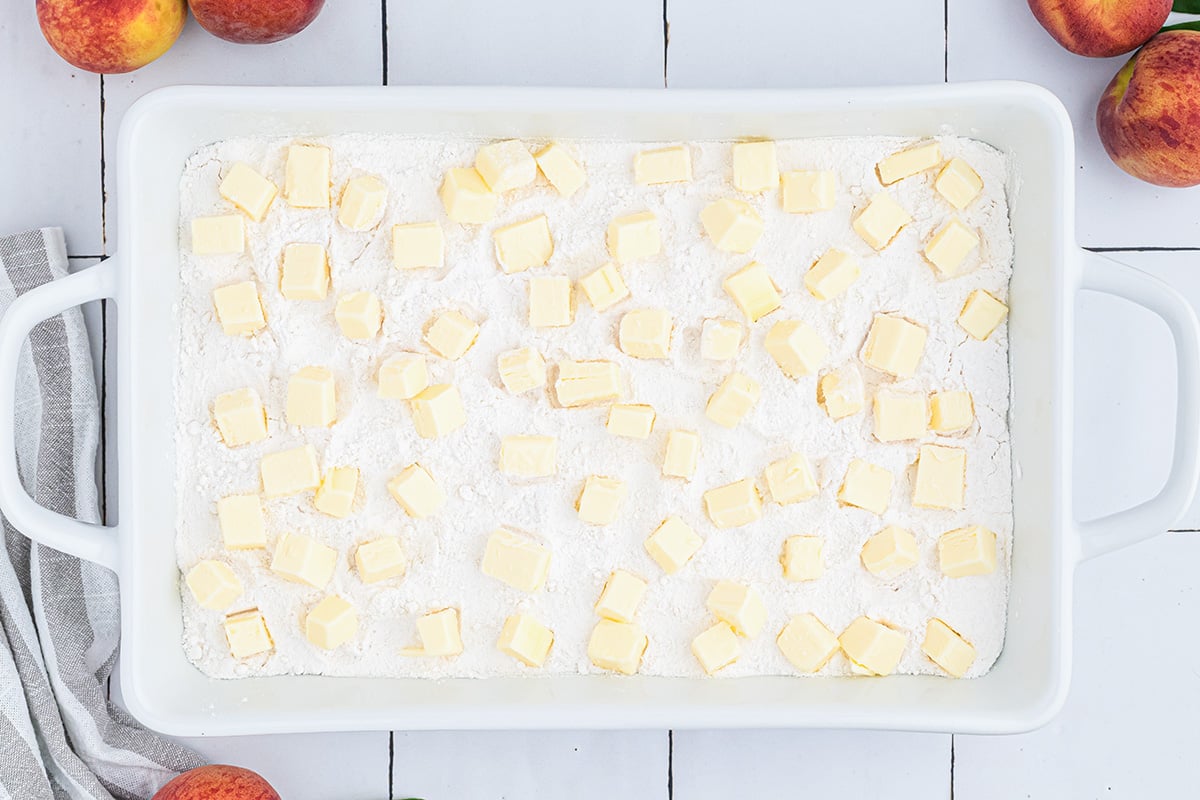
x=952, y=766
x=670, y=764
x=384, y=28
x=391, y=756
x=666, y=42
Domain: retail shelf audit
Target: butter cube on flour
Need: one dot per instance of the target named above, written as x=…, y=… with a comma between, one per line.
x=873, y=646
x=894, y=345
x=304, y=273
x=806, y=191
x=290, y=471
x=967, y=551
x=672, y=544
x=403, y=376
x=950, y=246
x=247, y=634
x=359, y=315
x=418, y=245
x=564, y=172
x=451, y=334
x=417, y=492
x=303, y=559
x=306, y=178
x=335, y=495
x=466, y=197
x=517, y=560
x=633, y=237
x=982, y=314
x=240, y=517
x=529, y=456
x=683, y=453
x=801, y=558
x=581, y=383
x=796, y=348
x=900, y=415
x=791, y=480
x=238, y=309
x=522, y=370
x=213, y=584
x=526, y=639
x=738, y=605
x=221, y=235
x=523, y=245
x=380, y=560
x=840, y=392
x=550, y=303
x=646, y=333
x=631, y=420
x=807, y=643
x=248, y=190
x=716, y=648
x=734, y=504
x=941, y=477
x=240, y=417
x=311, y=398
x=720, y=339
x=951, y=411
x=331, y=623
x=733, y=225
x=753, y=290
x=755, y=167
x=831, y=275
x=505, y=166
x=621, y=596
x=946, y=648
x=664, y=165
x=732, y=400
x=617, y=646
x=605, y=287
x=440, y=633
x=899, y=166
x=600, y=499
x=958, y=183
x=890, y=552
x=363, y=202
x=866, y=486
x=880, y=221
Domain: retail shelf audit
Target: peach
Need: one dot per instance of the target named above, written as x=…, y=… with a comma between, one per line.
x=1101, y=28
x=111, y=35
x=260, y=22
x=1149, y=116
x=217, y=781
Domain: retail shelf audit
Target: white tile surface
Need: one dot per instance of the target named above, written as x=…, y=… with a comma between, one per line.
x=550, y=764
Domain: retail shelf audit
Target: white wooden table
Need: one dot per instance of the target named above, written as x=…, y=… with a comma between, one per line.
x=1128, y=728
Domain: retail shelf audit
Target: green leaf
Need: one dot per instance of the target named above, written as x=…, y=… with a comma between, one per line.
x=1186, y=7
x=1194, y=25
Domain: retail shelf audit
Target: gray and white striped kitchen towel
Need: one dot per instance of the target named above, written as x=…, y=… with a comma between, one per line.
x=59, y=735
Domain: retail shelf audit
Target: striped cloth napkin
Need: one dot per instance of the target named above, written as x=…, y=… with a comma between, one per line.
x=59, y=616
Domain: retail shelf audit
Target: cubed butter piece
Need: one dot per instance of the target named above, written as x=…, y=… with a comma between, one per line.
x=240, y=517
x=890, y=552
x=683, y=454
x=239, y=310
x=220, y=235
x=753, y=290
x=720, y=339
x=505, y=166
x=832, y=274
x=359, y=315
x=529, y=456
x=807, y=191
x=873, y=646
x=564, y=172
x=517, y=560
x=451, y=334
x=466, y=198
x=981, y=314
x=947, y=648
x=380, y=560
x=894, y=345
x=880, y=221
x=621, y=596
x=755, y=167
x=526, y=639
x=523, y=245
x=550, y=302
x=958, y=183
x=617, y=646
x=716, y=648
x=335, y=495
x=600, y=499
x=331, y=623
x=440, y=633
x=951, y=411
x=840, y=392
x=240, y=417
x=521, y=370
x=899, y=166
x=941, y=477
x=306, y=178
x=247, y=634
x=605, y=287
x=417, y=492
x=866, y=486
x=801, y=558
x=796, y=347
x=290, y=471
x=738, y=605
x=732, y=400
x=900, y=415
x=791, y=480
x=646, y=333
x=807, y=643
x=248, y=190
x=664, y=165
x=672, y=544
x=632, y=420
x=734, y=504
x=733, y=225
x=967, y=551
x=303, y=559
x=581, y=383
x=403, y=376
x=950, y=246
x=311, y=398
x=214, y=585
x=633, y=236
x=304, y=272
x=363, y=201
x=418, y=245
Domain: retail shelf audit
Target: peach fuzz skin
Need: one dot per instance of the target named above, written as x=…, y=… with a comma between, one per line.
x=260, y=22
x=111, y=36
x=1149, y=116
x=1101, y=28
x=218, y=782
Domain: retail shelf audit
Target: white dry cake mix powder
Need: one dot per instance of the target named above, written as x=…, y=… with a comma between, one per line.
x=378, y=437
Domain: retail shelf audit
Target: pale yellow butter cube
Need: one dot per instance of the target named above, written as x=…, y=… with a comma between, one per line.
x=791, y=480
x=335, y=495
x=683, y=454
x=894, y=345
x=646, y=333
x=306, y=178
x=833, y=274
x=807, y=643
x=359, y=315
x=239, y=309
x=873, y=646
x=523, y=245
x=516, y=560
x=380, y=560
x=801, y=558
x=900, y=415
x=617, y=646
x=841, y=392
x=880, y=221
x=733, y=400
x=807, y=191
x=753, y=290
x=866, y=486
x=951, y=411
x=311, y=398
x=214, y=585
x=290, y=471
x=906, y=163
x=247, y=634
x=240, y=517
x=418, y=245
x=220, y=235
x=303, y=559
x=733, y=225
x=240, y=417
x=526, y=639
x=738, y=605
x=621, y=596
x=717, y=647
x=529, y=456
x=600, y=499
x=632, y=420
x=734, y=504
x=664, y=165
x=248, y=190
x=755, y=166
x=505, y=166
x=947, y=648
x=403, y=376
x=796, y=347
x=890, y=552
x=605, y=287
x=967, y=551
x=417, y=492
x=521, y=370
x=363, y=202
x=440, y=633
x=451, y=334
x=581, y=383
x=941, y=477
x=564, y=172
x=982, y=314
x=950, y=246
x=550, y=302
x=672, y=544
x=633, y=236
x=958, y=183
x=331, y=623
x=304, y=273
x=466, y=198
x=720, y=339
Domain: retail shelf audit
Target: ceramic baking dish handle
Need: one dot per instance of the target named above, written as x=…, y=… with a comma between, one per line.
x=1159, y=513
x=93, y=542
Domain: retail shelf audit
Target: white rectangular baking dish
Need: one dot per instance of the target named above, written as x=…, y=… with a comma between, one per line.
x=1028, y=683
